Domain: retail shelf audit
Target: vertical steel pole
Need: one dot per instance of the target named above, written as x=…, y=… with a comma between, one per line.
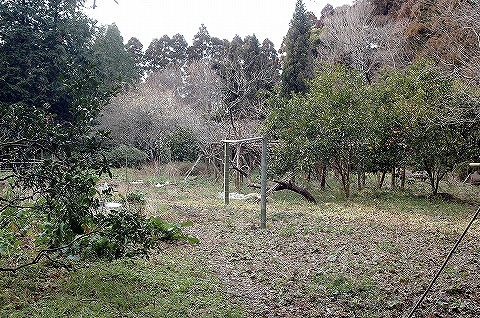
x=226, y=174
x=126, y=165
x=263, y=207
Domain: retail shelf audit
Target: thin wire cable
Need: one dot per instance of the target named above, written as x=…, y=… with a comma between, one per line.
x=444, y=264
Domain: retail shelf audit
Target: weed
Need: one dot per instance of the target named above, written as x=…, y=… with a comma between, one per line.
x=288, y=230
x=337, y=285
x=127, y=289
x=387, y=246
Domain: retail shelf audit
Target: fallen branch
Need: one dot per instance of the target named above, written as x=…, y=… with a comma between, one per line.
x=45, y=253
x=286, y=185
x=193, y=167
x=282, y=185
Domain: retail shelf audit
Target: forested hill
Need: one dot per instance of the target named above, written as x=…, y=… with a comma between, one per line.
x=446, y=31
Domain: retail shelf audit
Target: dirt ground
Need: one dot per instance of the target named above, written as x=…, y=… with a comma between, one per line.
x=334, y=259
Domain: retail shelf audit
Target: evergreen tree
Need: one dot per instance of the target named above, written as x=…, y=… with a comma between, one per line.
x=219, y=48
x=298, y=63
x=235, y=50
x=251, y=49
x=166, y=52
x=247, y=70
x=113, y=59
x=135, y=48
x=270, y=62
x=50, y=94
x=201, y=46
x=156, y=55
x=38, y=45
x=178, y=50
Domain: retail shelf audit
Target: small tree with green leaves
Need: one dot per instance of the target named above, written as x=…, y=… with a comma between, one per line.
x=327, y=125
x=436, y=119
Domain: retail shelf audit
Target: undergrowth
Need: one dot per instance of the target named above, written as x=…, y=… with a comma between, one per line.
x=132, y=288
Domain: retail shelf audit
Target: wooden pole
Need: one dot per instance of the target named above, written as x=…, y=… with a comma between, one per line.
x=263, y=206
x=226, y=173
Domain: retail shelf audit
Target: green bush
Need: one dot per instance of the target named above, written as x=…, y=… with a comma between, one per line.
x=127, y=233
x=134, y=156
x=135, y=198
x=183, y=145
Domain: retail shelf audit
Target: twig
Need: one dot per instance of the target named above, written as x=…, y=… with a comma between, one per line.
x=45, y=253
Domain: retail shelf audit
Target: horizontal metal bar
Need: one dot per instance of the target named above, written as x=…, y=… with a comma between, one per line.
x=237, y=141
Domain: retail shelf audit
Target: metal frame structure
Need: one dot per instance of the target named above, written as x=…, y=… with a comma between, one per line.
x=263, y=188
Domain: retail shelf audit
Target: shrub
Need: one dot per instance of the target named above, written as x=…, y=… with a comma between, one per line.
x=183, y=145
x=127, y=233
x=117, y=156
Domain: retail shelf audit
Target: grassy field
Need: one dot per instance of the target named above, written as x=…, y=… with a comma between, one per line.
x=370, y=256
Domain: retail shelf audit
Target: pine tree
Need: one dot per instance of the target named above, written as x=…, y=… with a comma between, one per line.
x=298, y=63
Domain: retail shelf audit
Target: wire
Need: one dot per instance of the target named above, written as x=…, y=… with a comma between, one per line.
x=444, y=264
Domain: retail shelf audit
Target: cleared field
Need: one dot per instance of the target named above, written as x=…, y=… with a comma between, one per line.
x=371, y=256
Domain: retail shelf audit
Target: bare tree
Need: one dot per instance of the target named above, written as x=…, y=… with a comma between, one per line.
x=201, y=89
x=455, y=39
x=353, y=36
x=191, y=99
x=141, y=116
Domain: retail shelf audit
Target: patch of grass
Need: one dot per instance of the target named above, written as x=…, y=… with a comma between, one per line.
x=387, y=246
x=288, y=230
x=406, y=202
x=371, y=253
x=118, y=289
x=338, y=285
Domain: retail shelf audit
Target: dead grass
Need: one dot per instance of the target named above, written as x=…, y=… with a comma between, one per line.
x=371, y=256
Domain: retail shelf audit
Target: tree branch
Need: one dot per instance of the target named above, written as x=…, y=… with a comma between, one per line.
x=45, y=253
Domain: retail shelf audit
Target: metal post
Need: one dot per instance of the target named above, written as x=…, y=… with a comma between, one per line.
x=126, y=165
x=226, y=174
x=263, y=206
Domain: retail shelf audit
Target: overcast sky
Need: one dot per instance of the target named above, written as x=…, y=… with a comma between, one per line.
x=149, y=19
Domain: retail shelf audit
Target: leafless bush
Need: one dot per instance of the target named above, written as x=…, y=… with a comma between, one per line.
x=169, y=100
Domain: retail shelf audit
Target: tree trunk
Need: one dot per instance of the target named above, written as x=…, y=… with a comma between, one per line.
x=380, y=178
x=321, y=172
x=392, y=181
x=290, y=186
x=359, y=178
x=323, y=179
x=346, y=181
x=238, y=177
x=216, y=172
x=431, y=178
x=402, y=179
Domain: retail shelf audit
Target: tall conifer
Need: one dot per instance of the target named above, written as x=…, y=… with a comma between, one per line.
x=297, y=66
